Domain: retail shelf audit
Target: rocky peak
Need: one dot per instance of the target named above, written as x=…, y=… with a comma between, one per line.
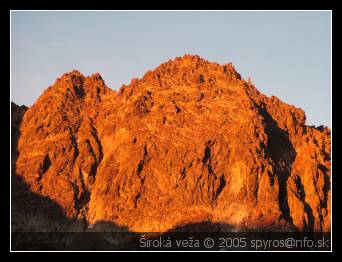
x=191, y=141
x=193, y=68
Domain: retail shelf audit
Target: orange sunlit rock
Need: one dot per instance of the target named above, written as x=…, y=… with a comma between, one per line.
x=189, y=142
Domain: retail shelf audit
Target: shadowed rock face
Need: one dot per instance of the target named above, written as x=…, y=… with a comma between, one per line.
x=190, y=142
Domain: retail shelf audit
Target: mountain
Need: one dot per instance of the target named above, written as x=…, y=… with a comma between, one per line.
x=189, y=142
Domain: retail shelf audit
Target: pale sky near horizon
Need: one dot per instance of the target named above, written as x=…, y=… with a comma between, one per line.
x=287, y=54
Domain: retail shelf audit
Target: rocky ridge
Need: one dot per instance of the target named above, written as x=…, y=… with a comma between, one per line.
x=189, y=142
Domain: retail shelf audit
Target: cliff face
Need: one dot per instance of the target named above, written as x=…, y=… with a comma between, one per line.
x=189, y=142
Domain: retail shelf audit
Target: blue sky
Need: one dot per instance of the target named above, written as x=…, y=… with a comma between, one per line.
x=287, y=54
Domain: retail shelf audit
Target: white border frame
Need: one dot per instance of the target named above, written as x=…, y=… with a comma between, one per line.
x=331, y=221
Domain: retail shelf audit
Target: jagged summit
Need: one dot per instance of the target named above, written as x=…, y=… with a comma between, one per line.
x=194, y=65
x=75, y=73
x=190, y=141
x=188, y=71
x=74, y=86
x=192, y=60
